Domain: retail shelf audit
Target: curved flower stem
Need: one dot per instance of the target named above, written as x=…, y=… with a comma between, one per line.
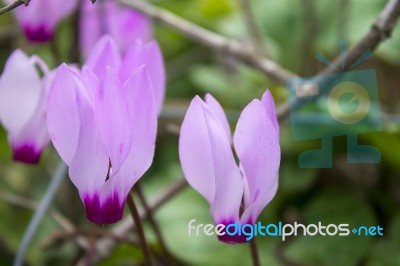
x=139, y=230
x=153, y=223
x=41, y=211
x=254, y=252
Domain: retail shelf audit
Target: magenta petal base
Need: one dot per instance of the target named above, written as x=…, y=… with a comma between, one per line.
x=38, y=34
x=236, y=239
x=236, y=236
x=110, y=211
x=27, y=154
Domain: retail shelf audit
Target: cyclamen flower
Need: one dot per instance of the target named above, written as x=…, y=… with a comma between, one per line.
x=105, y=52
x=23, y=96
x=40, y=18
x=109, y=17
x=104, y=129
x=209, y=164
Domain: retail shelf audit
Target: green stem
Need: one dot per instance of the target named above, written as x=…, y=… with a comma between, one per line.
x=254, y=252
x=139, y=230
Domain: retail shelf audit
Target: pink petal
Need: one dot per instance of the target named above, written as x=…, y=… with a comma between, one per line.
x=257, y=146
x=90, y=29
x=108, y=17
x=89, y=166
x=19, y=78
x=208, y=163
x=268, y=102
x=195, y=151
x=127, y=26
x=104, y=53
x=142, y=110
x=30, y=141
x=219, y=112
x=150, y=55
x=62, y=113
x=228, y=181
x=112, y=117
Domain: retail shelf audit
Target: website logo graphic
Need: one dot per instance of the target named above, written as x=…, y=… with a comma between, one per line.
x=281, y=230
x=344, y=103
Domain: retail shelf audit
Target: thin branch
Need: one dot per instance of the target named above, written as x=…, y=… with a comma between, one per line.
x=59, y=237
x=13, y=5
x=167, y=255
x=380, y=30
x=27, y=203
x=255, y=34
x=139, y=230
x=34, y=223
x=213, y=40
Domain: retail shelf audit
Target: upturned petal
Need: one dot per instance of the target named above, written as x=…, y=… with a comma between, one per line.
x=108, y=17
x=112, y=117
x=28, y=144
x=268, y=102
x=12, y=86
x=104, y=53
x=208, y=163
x=257, y=146
x=63, y=120
x=219, y=112
x=89, y=166
x=24, y=117
x=143, y=114
x=150, y=55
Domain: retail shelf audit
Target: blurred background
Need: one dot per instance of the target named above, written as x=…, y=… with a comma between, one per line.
x=292, y=32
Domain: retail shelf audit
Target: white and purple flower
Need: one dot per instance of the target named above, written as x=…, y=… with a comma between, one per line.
x=23, y=100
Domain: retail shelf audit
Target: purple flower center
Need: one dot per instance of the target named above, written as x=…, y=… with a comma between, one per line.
x=26, y=154
x=38, y=34
x=233, y=233
x=109, y=211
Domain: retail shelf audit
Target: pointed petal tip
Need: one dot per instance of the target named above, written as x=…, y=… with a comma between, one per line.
x=27, y=154
x=106, y=212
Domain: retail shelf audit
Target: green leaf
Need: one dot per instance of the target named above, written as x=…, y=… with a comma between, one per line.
x=334, y=206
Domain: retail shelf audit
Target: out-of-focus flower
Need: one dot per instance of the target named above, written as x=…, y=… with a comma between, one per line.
x=209, y=164
x=124, y=25
x=40, y=18
x=104, y=129
x=105, y=52
x=23, y=97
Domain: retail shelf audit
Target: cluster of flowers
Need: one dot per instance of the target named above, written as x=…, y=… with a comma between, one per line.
x=102, y=120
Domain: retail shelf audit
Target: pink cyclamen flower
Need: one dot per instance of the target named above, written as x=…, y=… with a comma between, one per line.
x=40, y=18
x=23, y=96
x=209, y=164
x=109, y=17
x=104, y=129
x=105, y=52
